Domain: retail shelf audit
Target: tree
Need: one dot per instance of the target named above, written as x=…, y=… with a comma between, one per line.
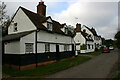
x=4, y=18
x=117, y=36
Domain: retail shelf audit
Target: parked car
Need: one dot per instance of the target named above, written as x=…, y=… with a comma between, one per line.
x=111, y=48
x=105, y=50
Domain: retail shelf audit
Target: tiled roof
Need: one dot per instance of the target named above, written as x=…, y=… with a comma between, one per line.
x=16, y=36
x=86, y=36
x=92, y=30
x=39, y=19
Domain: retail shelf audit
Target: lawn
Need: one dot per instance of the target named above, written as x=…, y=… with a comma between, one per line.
x=95, y=53
x=43, y=71
x=117, y=77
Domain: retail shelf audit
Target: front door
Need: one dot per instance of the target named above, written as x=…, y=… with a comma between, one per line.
x=57, y=52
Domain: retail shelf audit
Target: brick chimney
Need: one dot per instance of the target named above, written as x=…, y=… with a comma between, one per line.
x=78, y=27
x=41, y=9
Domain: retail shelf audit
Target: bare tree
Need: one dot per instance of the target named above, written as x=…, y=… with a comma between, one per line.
x=4, y=18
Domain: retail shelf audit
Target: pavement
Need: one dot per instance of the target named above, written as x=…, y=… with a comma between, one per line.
x=98, y=67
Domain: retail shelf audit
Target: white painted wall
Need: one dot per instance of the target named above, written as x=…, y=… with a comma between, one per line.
x=23, y=23
x=30, y=38
x=79, y=38
x=40, y=48
x=49, y=20
x=44, y=36
x=12, y=47
x=53, y=37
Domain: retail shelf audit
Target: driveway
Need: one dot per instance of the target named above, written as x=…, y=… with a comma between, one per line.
x=98, y=67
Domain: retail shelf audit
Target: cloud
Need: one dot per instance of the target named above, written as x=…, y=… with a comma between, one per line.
x=93, y=14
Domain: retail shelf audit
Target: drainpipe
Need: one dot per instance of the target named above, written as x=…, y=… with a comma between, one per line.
x=36, y=47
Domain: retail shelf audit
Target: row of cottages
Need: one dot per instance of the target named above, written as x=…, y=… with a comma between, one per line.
x=34, y=38
x=86, y=39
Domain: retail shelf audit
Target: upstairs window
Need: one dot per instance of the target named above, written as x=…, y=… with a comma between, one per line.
x=66, y=30
x=15, y=27
x=49, y=26
x=47, y=47
x=29, y=48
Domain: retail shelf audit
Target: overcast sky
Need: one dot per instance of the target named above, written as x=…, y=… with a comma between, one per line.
x=103, y=16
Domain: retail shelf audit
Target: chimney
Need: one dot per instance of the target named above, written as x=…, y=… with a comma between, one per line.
x=78, y=27
x=41, y=9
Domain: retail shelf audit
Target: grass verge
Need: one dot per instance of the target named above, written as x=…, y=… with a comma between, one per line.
x=95, y=53
x=43, y=71
x=117, y=77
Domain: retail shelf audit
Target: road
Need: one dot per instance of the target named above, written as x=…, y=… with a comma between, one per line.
x=98, y=67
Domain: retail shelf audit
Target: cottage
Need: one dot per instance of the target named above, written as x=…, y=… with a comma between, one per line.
x=34, y=38
x=83, y=40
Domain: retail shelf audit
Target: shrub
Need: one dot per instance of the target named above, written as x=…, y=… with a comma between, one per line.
x=83, y=47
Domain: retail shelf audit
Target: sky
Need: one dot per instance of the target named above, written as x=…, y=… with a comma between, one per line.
x=101, y=15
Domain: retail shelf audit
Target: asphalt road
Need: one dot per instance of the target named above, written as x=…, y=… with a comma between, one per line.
x=98, y=67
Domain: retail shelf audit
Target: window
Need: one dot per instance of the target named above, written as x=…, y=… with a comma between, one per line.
x=49, y=26
x=92, y=46
x=66, y=30
x=84, y=31
x=15, y=27
x=47, y=47
x=88, y=46
x=29, y=48
x=66, y=47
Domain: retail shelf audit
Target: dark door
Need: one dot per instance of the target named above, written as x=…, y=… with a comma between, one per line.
x=57, y=52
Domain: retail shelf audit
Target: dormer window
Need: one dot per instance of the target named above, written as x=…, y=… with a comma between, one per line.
x=66, y=30
x=15, y=27
x=84, y=31
x=49, y=26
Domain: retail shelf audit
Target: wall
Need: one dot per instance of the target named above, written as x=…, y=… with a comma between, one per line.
x=79, y=38
x=51, y=38
x=23, y=23
x=30, y=38
x=13, y=47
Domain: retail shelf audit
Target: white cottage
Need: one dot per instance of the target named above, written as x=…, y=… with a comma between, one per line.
x=83, y=40
x=86, y=39
x=95, y=37
x=31, y=34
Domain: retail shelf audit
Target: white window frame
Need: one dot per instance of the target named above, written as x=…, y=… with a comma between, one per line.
x=66, y=47
x=47, y=47
x=28, y=48
x=66, y=30
x=15, y=27
x=49, y=26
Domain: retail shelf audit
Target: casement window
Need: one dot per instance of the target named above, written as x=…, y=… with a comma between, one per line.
x=66, y=30
x=49, y=26
x=15, y=27
x=28, y=47
x=92, y=46
x=66, y=47
x=88, y=46
x=47, y=47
